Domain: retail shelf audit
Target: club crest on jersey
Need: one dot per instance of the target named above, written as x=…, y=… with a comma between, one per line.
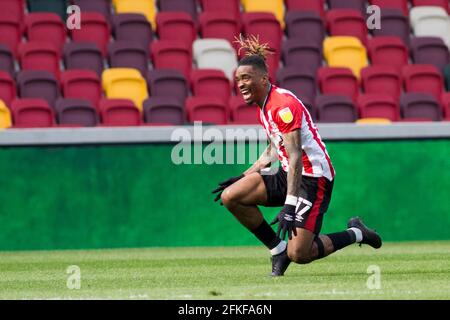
x=286, y=115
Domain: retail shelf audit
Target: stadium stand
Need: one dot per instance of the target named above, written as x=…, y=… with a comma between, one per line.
x=38, y=84
x=164, y=110
x=388, y=50
x=359, y=5
x=168, y=83
x=347, y=22
x=119, y=113
x=10, y=32
x=210, y=110
x=444, y=4
x=83, y=84
x=7, y=88
x=275, y=7
x=393, y=4
x=446, y=105
x=430, y=21
x=14, y=9
x=94, y=28
x=419, y=105
x=55, y=6
x=381, y=79
x=132, y=27
x=32, y=113
x=103, y=7
x=305, y=25
x=5, y=116
x=423, y=78
x=128, y=54
x=241, y=112
x=378, y=106
x=307, y=53
x=185, y=6
x=219, y=25
x=177, y=26
x=171, y=54
x=393, y=23
x=430, y=50
x=145, y=7
x=46, y=27
x=83, y=55
x=76, y=112
x=230, y=6
x=337, y=80
x=35, y=55
x=210, y=83
x=301, y=80
x=316, y=6
x=335, y=108
x=6, y=60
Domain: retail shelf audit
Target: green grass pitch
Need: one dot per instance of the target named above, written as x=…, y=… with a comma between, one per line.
x=408, y=270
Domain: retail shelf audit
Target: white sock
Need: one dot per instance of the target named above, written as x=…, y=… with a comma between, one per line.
x=358, y=234
x=279, y=248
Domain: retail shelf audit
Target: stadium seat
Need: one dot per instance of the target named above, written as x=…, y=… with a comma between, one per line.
x=83, y=55
x=423, y=78
x=5, y=116
x=132, y=27
x=241, y=112
x=366, y=121
x=32, y=113
x=305, y=25
x=227, y=7
x=185, y=6
x=275, y=7
x=14, y=9
x=55, y=6
x=209, y=110
x=388, y=50
x=145, y=7
x=38, y=84
x=347, y=22
x=420, y=105
x=343, y=51
x=306, y=53
x=220, y=25
x=447, y=76
x=359, y=5
x=35, y=55
x=170, y=54
x=164, y=109
x=7, y=88
x=444, y=4
x=177, y=26
x=335, y=108
x=10, y=32
x=338, y=81
x=48, y=27
x=128, y=54
x=101, y=6
x=446, y=105
x=76, y=112
x=210, y=83
x=167, y=83
x=6, y=60
x=316, y=6
x=215, y=54
x=94, y=28
x=119, y=113
x=125, y=83
x=379, y=106
x=392, y=4
x=430, y=22
x=381, y=79
x=83, y=84
x=300, y=80
x=393, y=23
x=430, y=50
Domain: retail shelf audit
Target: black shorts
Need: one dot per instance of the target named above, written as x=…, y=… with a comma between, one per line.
x=315, y=190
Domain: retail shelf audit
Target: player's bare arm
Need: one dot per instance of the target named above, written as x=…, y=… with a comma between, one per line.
x=265, y=160
x=293, y=144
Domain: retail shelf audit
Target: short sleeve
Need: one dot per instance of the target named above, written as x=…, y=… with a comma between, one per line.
x=288, y=118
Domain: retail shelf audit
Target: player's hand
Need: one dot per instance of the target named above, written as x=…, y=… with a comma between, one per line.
x=286, y=219
x=224, y=184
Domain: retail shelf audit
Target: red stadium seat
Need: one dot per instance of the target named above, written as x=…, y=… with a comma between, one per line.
x=36, y=55
x=14, y=9
x=227, y=7
x=338, y=81
x=209, y=110
x=435, y=3
x=241, y=112
x=83, y=84
x=210, y=83
x=164, y=109
x=178, y=26
x=317, y=6
x=388, y=50
x=221, y=25
x=379, y=106
x=119, y=112
x=446, y=105
x=381, y=80
x=10, y=32
x=175, y=55
x=423, y=78
x=32, y=113
x=94, y=28
x=7, y=88
x=46, y=27
x=347, y=22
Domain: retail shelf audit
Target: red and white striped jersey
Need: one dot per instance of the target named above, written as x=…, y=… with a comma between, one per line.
x=283, y=112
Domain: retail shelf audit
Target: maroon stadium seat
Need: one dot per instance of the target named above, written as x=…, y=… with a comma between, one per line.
x=32, y=113
x=10, y=32
x=177, y=26
x=229, y=6
x=101, y=6
x=83, y=55
x=306, y=53
x=35, y=55
x=338, y=80
x=335, y=108
x=379, y=106
x=420, y=105
x=132, y=27
x=241, y=112
x=423, y=78
x=393, y=4
x=128, y=54
x=46, y=26
x=300, y=80
x=388, y=50
x=347, y=22
x=7, y=88
x=38, y=84
x=167, y=83
x=210, y=110
x=317, y=6
x=221, y=25
x=164, y=109
x=305, y=25
x=6, y=60
x=76, y=112
x=170, y=54
x=359, y=5
x=83, y=84
x=381, y=80
x=119, y=112
x=430, y=50
x=185, y=6
x=435, y=3
x=210, y=83
x=94, y=28
x=394, y=23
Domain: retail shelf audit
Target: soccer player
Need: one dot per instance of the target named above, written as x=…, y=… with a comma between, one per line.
x=303, y=184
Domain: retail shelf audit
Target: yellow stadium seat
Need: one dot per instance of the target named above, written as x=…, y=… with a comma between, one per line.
x=373, y=121
x=273, y=6
x=5, y=116
x=125, y=83
x=344, y=51
x=145, y=7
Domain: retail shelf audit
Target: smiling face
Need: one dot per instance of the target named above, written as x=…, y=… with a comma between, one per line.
x=252, y=84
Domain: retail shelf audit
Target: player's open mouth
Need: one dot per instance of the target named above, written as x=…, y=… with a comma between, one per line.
x=246, y=94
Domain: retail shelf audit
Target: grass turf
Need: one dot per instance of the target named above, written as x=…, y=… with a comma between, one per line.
x=409, y=270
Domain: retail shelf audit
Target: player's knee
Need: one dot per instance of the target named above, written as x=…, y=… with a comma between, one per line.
x=228, y=198
x=299, y=258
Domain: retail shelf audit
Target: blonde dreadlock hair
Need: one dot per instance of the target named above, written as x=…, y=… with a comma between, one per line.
x=256, y=52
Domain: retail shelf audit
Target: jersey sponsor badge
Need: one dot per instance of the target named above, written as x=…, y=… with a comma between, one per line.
x=286, y=115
